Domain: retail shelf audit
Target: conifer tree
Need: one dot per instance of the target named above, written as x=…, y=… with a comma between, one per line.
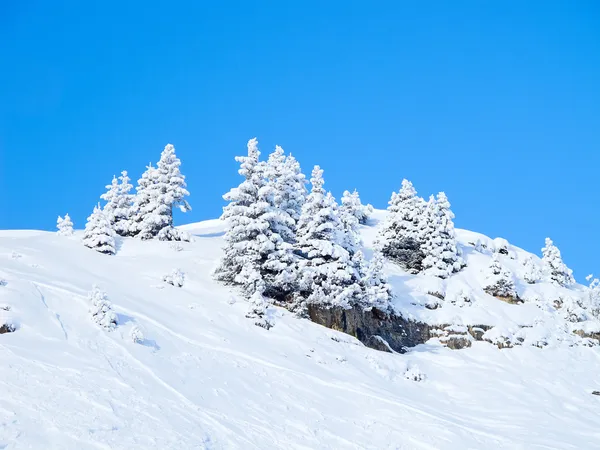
x=159, y=191
x=451, y=254
x=119, y=204
x=99, y=234
x=377, y=290
x=288, y=188
x=143, y=204
x=351, y=238
x=531, y=272
x=400, y=236
x=327, y=274
x=498, y=280
x=101, y=309
x=351, y=204
x=256, y=256
x=65, y=226
x=556, y=270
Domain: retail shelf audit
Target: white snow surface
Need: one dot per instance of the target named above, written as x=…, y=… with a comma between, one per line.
x=203, y=376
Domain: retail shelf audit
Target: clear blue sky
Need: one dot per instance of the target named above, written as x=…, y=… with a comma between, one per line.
x=496, y=103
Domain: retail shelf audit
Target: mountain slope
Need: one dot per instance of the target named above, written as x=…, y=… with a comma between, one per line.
x=206, y=377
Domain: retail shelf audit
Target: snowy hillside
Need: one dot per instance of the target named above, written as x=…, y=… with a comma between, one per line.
x=201, y=375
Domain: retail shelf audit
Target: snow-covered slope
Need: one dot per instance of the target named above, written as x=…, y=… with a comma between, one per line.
x=206, y=377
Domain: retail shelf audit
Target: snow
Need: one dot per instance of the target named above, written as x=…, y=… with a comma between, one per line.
x=202, y=375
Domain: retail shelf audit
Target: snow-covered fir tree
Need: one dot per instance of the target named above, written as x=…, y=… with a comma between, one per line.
x=556, y=270
x=101, y=309
x=351, y=238
x=288, y=188
x=256, y=256
x=257, y=310
x=328, y=275
x=159, y=191
x=137, y=335
x=437, y=239
x=65, y=226
x=399, y=238
x=119, y=204
x=352, y=205
x=377, y=290
x=452, y=254
x=498, y=280
x=175, y=278
x=99, y=234
x=531, y=273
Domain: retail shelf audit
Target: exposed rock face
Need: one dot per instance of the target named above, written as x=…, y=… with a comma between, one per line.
x=371, y=327
x=387, y=332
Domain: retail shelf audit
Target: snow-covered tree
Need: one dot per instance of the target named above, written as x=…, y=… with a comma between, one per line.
x=377, y=290
x=452, y=253
x=119, y=204
x=137, y=335
x=99, y=234
x=399, y=238
x=556, y=270
x=498, y=280
x=110, y=197
x=160, y=190
x=531, y=272
x=65, y=226
x=169, y=176
x=287, y=186
x=256, y=256
x=328, y=276
x=352, y=205
x=593, y=295
x=257, y=310
x=351, y=238
x=101, y=309
x=175, y=278
x=144, y=205
x=437, y=239
x=294, y=182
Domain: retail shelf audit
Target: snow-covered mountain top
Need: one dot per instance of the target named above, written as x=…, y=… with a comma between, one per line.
x=203, y=376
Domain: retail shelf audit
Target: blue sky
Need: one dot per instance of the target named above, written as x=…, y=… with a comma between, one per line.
x=495, y=103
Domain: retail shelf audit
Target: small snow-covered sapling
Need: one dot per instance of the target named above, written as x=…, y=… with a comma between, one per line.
x=175, y=278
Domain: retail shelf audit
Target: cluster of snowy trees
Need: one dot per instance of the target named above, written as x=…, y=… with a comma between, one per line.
x=419, y=235
x=499, y=280
x=147, y=214
x=286, y=245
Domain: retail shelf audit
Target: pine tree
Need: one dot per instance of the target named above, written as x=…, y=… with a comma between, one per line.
x=351, y=238
x=119, y=204
x=295, y=193
x=327, y=273
x=451, y=255
x=556, y=269
x=351, y=204
x=498, y=280
x=287, y=184
x=377, y=290
x=257, y=310
x=65, y=226
x=172, y=181
x=531, y=272
x=144, y=204
x=111, y=197
x=101, y=309
x=256, y=256
x=99, y=234
x=399, y=238
x=160, y=190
